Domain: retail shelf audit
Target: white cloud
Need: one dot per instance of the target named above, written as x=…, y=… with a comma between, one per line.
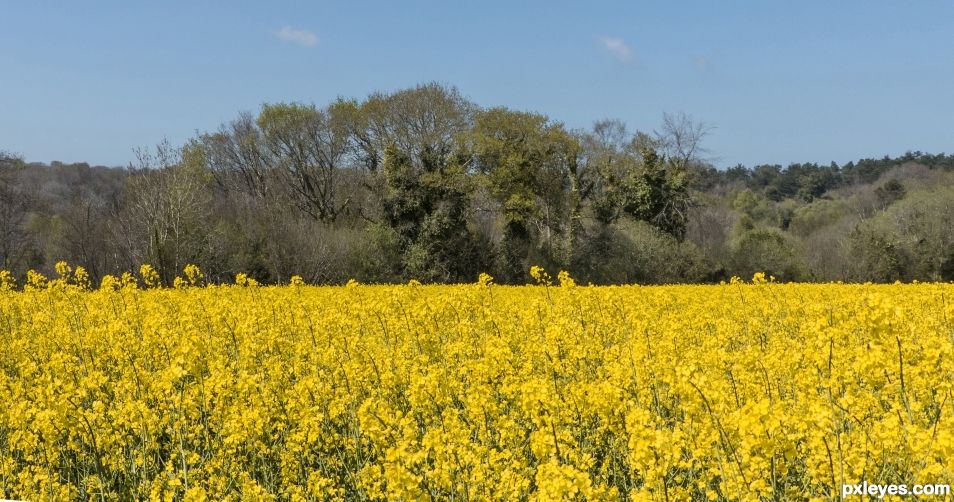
x=617, y=48
x=702, y=63
x=303, y=38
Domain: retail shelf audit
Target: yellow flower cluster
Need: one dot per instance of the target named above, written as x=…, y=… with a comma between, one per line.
x=739, y=391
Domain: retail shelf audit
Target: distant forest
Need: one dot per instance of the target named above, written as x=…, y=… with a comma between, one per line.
x=423, y=184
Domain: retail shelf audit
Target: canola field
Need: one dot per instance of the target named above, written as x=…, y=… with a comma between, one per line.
x=738, y=391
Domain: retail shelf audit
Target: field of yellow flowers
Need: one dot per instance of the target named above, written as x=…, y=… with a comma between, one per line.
x=739, y=391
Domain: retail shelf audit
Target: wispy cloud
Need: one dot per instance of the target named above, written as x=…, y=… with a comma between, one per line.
x=702, y=63
x=303, y=38
x=618, y=48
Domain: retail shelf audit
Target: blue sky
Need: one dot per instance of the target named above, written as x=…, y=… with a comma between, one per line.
x=780, y=81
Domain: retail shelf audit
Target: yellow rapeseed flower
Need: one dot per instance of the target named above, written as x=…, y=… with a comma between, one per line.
x=738, y=391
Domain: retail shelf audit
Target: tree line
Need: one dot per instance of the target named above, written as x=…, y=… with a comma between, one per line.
x=423, y=184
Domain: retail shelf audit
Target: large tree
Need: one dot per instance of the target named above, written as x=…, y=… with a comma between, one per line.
x=14, y=209
x=627, y=175
x=306, y=146
x=165, y=216
x=529, y=164
x=421, y=121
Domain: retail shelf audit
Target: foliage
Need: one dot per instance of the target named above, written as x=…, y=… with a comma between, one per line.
x=423, y=184
x=631, y=251
x=758, y=249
